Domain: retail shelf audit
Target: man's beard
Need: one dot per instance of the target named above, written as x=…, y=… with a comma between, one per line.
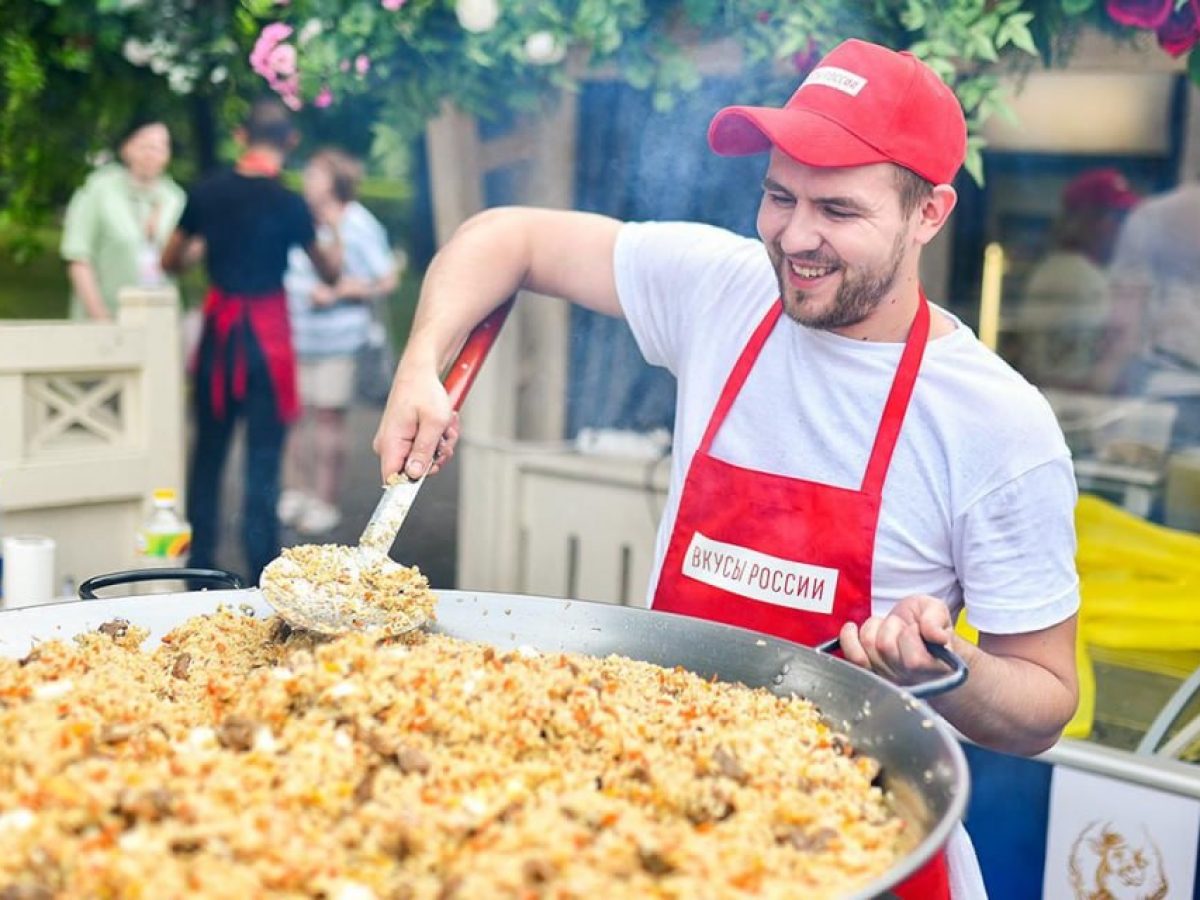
x=860, y=292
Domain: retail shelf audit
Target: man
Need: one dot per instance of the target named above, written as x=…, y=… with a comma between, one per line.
x=1155, y=346
x=1066, y=297
x=246, y=221
x=811, y=444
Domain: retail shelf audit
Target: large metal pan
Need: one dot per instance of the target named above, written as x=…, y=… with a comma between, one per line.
x=923, y=767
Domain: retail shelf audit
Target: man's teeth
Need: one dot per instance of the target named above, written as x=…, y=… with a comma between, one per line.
x=811, y=271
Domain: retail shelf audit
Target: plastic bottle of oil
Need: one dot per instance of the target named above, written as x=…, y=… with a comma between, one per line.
x=165, y=537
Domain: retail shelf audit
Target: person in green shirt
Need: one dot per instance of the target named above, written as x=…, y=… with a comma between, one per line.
x=118, y=221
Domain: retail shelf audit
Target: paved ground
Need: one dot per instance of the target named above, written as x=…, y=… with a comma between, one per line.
x=427, y=539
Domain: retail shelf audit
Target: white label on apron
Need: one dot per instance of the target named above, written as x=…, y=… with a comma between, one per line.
x=758, y=576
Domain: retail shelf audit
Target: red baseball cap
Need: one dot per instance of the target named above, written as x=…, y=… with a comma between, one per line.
x=862, y=104
x=1099, y=189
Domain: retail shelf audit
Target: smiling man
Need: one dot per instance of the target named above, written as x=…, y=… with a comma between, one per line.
x=848, y=459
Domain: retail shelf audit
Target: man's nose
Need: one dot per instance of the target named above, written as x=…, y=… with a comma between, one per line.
x=800, y=233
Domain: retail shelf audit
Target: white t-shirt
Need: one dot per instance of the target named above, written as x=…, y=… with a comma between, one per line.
x=978, y=506
x=339, y=329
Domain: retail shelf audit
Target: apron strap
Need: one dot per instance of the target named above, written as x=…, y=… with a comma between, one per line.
x=737, y=378
x=897, y=402
x=893, y=410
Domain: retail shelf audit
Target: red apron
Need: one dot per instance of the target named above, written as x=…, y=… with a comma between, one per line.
x=785, y=556
x=227, y=319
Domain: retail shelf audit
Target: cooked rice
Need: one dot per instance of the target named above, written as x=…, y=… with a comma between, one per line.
x=241, y=758
x=332, y=588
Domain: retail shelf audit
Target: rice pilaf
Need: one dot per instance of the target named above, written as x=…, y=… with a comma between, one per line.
x=241, y=758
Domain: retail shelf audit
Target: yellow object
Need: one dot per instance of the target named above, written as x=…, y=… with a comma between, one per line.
x=989, y=295
x=1140, y=587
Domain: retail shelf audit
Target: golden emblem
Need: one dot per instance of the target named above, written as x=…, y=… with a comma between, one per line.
x=1106, y=865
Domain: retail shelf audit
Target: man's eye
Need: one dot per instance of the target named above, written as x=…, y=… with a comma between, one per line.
x=781, y=199
x=836, y=212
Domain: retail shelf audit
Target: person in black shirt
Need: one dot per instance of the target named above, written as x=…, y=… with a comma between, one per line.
x=245, y=221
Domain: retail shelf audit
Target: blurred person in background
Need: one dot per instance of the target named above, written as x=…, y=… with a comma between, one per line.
x=247, y=222
x=118, y=221
x=1067, y=294
x=1154, y=348
x=330, y=323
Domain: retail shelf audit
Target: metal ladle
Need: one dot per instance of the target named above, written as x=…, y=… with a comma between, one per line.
x=341, y=601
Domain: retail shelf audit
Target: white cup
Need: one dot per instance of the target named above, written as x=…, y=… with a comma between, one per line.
x=28, y=570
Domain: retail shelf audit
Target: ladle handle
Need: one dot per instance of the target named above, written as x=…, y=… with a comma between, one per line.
x=934, y=686
x=401, y=491
x=470, y=358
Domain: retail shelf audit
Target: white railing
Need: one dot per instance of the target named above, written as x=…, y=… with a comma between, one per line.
x=91, y=421
x=560, y=524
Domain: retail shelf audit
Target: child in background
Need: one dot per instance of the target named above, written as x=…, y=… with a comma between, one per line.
x=329, y=325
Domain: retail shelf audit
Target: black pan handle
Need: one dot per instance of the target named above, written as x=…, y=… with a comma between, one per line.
x=940, y=685
x=213, y=577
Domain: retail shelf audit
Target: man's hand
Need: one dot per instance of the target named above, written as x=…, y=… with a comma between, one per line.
x=323, y=294
x=893, y=646
x=1022, y=689
x=418, y=431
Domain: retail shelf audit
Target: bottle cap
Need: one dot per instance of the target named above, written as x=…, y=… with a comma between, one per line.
x=164, y=495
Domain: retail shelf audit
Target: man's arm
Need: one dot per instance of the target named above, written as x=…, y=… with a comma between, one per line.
x=326, y=258
x=490, y=257
x=1022, y=689
x=87, y=289
x=179, y=253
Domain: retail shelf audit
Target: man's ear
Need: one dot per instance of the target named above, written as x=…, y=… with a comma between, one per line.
x=933, y=211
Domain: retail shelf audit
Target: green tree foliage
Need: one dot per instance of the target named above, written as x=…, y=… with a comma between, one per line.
x=73, y=71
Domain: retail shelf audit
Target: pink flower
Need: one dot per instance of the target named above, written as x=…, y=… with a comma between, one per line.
x=276, y=32
x=362, y=64
x=323, y=99
x=268, y=39
x=1140, y=13
x=282, y=60
x=291, y=101
x=391, y=5
x=1181, y=30
x=804, y=60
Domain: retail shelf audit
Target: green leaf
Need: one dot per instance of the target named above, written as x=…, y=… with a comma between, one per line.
x=974, y=164
x=981, y=44
x=1193, y=65
x=1077, y=7
x=914, y=16
x=1015, y=31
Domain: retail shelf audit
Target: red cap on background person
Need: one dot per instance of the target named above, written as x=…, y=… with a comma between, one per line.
x=1099, y=189
x=862, y=104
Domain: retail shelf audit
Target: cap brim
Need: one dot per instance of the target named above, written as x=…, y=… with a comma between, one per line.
x=1126, y=200
x=805, y=136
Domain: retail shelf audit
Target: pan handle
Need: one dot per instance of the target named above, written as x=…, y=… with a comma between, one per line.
x=925, y=689
x=213, y=577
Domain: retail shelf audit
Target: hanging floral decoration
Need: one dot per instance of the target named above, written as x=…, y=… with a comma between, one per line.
x=1175, y=23
x=488, y=55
